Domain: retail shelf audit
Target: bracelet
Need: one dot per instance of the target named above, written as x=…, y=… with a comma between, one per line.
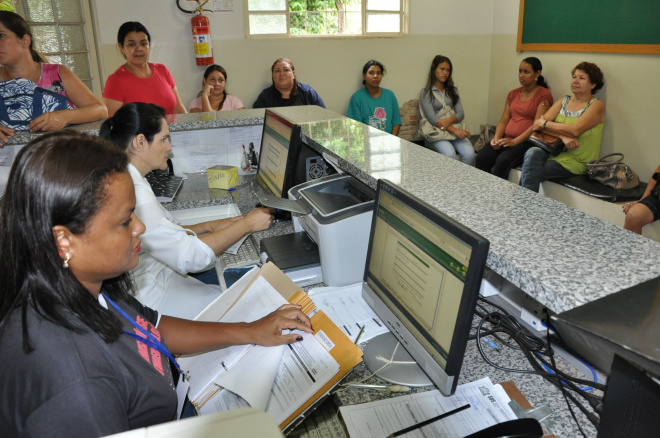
x=545, y=123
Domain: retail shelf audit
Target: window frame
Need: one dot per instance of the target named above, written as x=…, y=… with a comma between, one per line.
x=89, y=28
x=402, y=13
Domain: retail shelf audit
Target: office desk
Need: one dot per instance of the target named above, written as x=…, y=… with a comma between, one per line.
x=195, y=193
x=560, y=256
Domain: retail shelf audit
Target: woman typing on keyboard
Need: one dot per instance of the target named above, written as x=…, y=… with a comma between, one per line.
x=169, y=251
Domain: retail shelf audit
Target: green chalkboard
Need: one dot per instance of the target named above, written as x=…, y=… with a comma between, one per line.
x=615, y=26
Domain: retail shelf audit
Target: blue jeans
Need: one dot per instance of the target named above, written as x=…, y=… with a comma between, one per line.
x=207, y=277
x=537, y=168
x=462, y=146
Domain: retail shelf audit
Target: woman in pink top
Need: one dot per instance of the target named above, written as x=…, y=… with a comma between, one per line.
x=18, y=59
x=139, y=80
x=213, y=96
x=523, y=106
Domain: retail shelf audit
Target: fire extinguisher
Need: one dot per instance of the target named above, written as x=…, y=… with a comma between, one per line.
x=201, y=33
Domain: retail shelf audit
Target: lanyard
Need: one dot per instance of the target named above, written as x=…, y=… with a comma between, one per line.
x=150, y=340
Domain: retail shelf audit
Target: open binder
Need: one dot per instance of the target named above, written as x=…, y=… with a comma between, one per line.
x=287, y=382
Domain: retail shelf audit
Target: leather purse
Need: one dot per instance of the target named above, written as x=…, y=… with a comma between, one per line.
x=549, y=143
x=615, y=173
x=485, y=136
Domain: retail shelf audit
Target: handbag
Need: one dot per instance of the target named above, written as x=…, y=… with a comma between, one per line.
x=22, y=100
x=429, y=131
x=485, y=136
x=615, y=173
x=549, y=143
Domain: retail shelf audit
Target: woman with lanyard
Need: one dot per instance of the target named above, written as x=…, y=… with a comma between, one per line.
x=81, y=356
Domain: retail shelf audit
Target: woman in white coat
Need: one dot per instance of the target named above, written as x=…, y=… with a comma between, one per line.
x=169, y=251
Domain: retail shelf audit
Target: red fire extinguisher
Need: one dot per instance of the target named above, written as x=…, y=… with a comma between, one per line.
x=201, y=33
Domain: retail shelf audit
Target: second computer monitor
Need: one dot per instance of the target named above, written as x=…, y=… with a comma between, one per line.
x=422, y=278
x=278, y=158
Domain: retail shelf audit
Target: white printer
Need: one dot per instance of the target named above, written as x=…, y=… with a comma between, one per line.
x=339, y=222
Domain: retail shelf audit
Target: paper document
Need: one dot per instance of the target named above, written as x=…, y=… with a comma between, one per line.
x=489, y=405
x=285, y=381
x=305, y=368
x=346, y=308
x=258, y=301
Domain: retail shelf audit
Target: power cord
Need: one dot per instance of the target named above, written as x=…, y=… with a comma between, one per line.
x=508, y=331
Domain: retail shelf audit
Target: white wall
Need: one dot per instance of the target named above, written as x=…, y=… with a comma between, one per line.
x=631, y=92
x=332, y=66
x=478, y=35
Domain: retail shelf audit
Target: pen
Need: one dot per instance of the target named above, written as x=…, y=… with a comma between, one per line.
x=364, y=385
x=360, y=334
x=429, y=421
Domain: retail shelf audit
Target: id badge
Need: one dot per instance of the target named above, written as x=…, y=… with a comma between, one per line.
x=181, y=393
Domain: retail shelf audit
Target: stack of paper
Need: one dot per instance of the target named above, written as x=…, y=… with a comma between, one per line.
x=489, y=405
x=284, y=381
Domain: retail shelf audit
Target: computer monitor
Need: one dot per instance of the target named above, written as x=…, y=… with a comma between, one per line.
x=280, y=148
x=422, y=278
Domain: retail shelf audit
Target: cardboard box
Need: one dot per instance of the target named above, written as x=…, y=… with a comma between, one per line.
x=222, y=177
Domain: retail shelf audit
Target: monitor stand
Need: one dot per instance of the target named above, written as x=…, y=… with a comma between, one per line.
x=404, y=371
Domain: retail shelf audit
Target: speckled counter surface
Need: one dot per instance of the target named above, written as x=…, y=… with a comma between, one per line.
x=192, y=122
x=559, y=255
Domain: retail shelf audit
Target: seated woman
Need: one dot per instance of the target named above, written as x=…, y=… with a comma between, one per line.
x=67, y=315
x=523, y=106
x=169, y=251
x=19, y=59
x=440, y=96
x=647, y=209
x=286, y=90
x=139, y=80
x=213, y=96
x=373, y=105
x=578, y=120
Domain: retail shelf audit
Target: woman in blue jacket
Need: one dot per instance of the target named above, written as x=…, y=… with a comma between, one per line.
x=286, y=90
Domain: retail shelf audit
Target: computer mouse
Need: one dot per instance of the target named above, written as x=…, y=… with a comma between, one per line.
x=520, y=428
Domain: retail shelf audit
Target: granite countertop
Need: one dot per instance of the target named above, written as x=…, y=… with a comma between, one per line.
x=195, y=121
x=559, y=255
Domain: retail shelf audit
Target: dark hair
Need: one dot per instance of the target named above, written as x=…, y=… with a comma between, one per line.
x=450, y=88
x=16, y=24
x=371, y=63
x=130, y=120
x=537, y=66
x=210, y=69
x=128, y=27
x=294, y=91
x=60, y=178
x=594, y=72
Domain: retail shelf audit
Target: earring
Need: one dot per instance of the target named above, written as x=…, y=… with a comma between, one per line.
x=65, y=265
x=536, y=79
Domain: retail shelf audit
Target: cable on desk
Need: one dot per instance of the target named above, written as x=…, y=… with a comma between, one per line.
x=509, y=332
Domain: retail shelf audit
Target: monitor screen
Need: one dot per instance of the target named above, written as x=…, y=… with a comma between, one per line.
x=280, y=147
x=422, y=278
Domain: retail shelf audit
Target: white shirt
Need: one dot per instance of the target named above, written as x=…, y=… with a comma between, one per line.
x=167, y=250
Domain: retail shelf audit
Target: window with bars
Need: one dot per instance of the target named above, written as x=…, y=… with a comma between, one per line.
x=60, y=29
x=325, y=17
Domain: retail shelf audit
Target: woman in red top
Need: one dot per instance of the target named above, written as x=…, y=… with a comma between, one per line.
x=523, y=106
x=139, y=80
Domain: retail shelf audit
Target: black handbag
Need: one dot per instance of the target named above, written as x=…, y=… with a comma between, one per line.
x=549, y=143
